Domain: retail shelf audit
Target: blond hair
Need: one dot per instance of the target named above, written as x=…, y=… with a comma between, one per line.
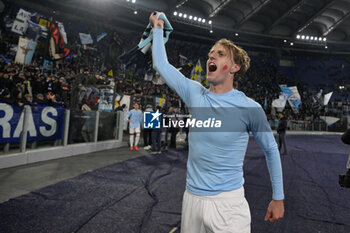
x=238, y=56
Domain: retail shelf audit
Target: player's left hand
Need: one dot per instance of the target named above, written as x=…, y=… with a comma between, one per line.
x=275, y=211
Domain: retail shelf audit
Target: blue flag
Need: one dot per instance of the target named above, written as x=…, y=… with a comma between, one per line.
x=47, y=65
x=101, y=36
x=286, y=91
x=34, y=30
x=7, y=60
x=293, y=97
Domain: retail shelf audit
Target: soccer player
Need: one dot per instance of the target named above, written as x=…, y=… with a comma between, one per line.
x=214, y=199
x=135, y=121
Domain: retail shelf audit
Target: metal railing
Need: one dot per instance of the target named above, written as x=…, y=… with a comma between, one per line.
x=317, y=125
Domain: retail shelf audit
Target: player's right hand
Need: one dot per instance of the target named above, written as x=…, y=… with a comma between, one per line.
x=156, y=23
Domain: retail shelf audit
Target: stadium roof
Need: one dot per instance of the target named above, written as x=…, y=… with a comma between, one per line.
x=264, y=23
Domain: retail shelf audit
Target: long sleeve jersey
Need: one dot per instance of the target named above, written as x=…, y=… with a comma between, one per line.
x=215, y=161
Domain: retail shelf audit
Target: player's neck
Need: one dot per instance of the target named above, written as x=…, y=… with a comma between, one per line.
x=221, y=88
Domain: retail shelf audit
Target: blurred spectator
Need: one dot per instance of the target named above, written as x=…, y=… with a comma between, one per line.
x=147, y=133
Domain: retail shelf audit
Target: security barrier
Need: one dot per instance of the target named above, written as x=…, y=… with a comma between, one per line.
x=55, y=128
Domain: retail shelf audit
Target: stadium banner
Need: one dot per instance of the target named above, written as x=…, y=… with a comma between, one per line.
x=45, y=123
x=34, y=30
x=20, y=24
x=106, y=100
x=44, y=22
x=25, y=51
x=57, y=49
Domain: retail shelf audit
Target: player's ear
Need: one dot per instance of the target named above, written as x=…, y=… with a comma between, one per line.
x=235, y=68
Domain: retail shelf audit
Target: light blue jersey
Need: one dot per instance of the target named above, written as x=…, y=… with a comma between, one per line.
x=215, y=162
x=135, y=118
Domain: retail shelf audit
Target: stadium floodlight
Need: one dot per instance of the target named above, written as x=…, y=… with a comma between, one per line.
x=135, y=12
x=128, y=0
x=312, y=39
x=326, y=47
x=187, y=19
x=291, y=43
x=285, y=41
x=209, y=22
x=211, y=31
x=236, y=34
x=133, y=1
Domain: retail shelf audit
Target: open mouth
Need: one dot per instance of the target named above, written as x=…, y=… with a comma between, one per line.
x=212, y=67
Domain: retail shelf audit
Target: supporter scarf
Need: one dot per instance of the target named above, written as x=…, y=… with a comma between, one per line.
x=141, y=55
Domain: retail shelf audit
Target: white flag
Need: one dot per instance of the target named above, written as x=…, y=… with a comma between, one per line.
x=62, y=31
x=148, y=76
x=85, y=38
x=329, y=119
x=327, y=97
x=280, y=103
x=157, y=79
x=20, y=24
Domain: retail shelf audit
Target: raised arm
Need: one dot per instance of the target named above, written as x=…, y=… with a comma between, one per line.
x=173, y=78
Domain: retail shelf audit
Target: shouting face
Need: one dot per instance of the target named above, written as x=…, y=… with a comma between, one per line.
x=220, y=65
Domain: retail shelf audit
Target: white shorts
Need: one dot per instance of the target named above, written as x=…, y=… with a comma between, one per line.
x=225, y=212
x=134, y=130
